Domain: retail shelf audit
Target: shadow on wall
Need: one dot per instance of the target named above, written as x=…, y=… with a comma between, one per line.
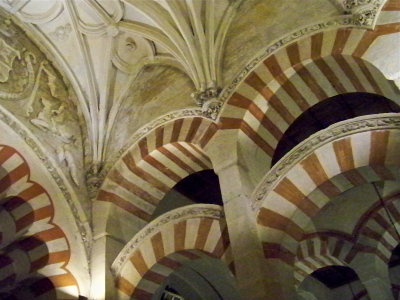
x=21, y=254
x=31, y=288
x=199, y=187
x=331, y=283
x=394, y=271
x=201, y=279
x=328, y=112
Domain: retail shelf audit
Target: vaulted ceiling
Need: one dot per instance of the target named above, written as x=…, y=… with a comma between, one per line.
x=103, y=45
x=129, y=61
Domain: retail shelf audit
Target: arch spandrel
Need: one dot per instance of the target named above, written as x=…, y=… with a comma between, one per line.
x=40, y=97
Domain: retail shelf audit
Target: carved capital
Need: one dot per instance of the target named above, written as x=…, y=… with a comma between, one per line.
x=93, y=181
x=209, y=102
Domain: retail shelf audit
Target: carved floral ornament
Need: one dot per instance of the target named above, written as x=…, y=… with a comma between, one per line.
x=334, y=132
x=176, y=215
x=363, y=12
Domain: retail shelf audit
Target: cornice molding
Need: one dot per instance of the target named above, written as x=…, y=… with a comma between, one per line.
x=332, y=133
x=176, y=215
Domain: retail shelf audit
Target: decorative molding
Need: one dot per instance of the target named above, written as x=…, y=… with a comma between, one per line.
x=334, y=132
x=201, y=60
x=47, y=104
x=209, y=101
x=363, y=12
x=35, y=64
x=44, y=17
x=55, y=173
x=176, y=215
x=62, y=32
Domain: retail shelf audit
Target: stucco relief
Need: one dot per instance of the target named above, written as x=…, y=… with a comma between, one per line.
x=36, y=94
x=363, y=11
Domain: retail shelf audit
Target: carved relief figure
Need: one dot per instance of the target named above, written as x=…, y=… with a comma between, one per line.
x=7, y=57
x=22, y=86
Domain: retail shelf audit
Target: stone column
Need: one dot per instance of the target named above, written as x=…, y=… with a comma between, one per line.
x=103, y=254
x=378, y=288
x=256, y=278
x=374, y=275
x=246, y=247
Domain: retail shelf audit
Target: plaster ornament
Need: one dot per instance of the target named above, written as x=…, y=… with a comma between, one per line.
x=363, y=11
x=7, y=57
x=130, y=44
x=209, y=101
x=112, y=30
x=211, y=108
x=61, y=32
x=94, y=180
x=27, y=82
x=52, y=116
x=64, y=155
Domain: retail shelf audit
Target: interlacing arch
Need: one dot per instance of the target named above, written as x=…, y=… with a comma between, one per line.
x=377, y=233
x=298, y=76
x=155, y=163
x=300, y=193
x=167, y=243
x=319, y=251
x=29, y=236
x=373, y=233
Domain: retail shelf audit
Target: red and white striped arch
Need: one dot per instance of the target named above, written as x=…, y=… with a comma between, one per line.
x=298, y=195
x=373, y=234
x=154, y=164
x=171, y=242
x=320, y=251
x=36, y=243
x=298, y=76
x=377, y=234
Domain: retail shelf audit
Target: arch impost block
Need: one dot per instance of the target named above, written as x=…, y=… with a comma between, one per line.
x=179, y=214
x=364, y=12
x=332, y=133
